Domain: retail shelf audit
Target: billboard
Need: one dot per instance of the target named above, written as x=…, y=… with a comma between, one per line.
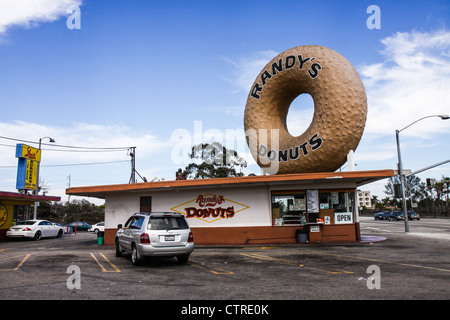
x=24, y=151
x=27, y=168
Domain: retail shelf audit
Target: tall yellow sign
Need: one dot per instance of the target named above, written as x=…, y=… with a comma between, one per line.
x=29, y=159
x=28, y=152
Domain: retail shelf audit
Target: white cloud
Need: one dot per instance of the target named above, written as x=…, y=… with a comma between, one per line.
x=80, y=135
x=29, y=13
x=246, y=69
x=412, y=82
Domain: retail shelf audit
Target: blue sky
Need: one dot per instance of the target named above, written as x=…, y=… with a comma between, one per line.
x=137, y=73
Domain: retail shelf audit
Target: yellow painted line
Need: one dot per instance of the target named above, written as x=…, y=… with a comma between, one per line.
x=214, y=270
x=102, y=267
x=3, y=250
x=267, y=258
x=7, y=258
x=283, y=261
x=19, y=265
x=21, y=262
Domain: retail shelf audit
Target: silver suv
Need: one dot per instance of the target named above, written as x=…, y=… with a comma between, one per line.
x=148, y=234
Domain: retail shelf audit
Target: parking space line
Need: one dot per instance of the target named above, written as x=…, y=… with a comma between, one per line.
x=381, y=261
x=102, y=267
x=214, y=270
x=19, y=265
x=283, y=261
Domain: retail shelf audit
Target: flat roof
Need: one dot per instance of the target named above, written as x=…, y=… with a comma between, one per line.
x=359, y=178
x=28, y=197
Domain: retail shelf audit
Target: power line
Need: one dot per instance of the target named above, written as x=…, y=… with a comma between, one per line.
x=65, y=150
x=66, y=146
x=83, y=164
x=72, y=164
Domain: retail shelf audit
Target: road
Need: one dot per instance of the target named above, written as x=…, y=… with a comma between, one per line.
x=414, y=266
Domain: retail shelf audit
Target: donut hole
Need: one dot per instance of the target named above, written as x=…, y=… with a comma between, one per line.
x=300, y=114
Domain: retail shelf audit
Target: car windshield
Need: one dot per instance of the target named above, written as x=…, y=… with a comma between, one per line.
x=167, y=223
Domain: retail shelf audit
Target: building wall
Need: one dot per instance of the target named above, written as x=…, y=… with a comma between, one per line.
x=223, y=215
x=6, y=214
x=364, y=199
x=215, y=207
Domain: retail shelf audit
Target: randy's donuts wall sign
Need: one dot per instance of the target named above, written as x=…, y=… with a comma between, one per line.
x=340, y=109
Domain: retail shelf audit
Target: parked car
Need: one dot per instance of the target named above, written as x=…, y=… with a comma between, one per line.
x=80, y=226
x=412, y=215
x=35, y=229
x=396, y=215
x=97, y=227
x=155, y=234
x=384, y=215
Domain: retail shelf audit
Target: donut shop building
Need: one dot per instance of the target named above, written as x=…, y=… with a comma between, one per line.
x=252, y=210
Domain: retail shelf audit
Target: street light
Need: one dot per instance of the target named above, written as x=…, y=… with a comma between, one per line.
x=400, y=166
x=37, y=177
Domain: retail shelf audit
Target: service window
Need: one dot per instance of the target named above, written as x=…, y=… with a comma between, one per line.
x=288, y=208
x=337, y=206
x=291, y=207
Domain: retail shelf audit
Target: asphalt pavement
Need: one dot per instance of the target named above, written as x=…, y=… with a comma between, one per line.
x=389, y=265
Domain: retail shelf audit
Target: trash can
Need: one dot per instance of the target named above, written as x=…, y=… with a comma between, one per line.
x=100, y=237
x=302, y=235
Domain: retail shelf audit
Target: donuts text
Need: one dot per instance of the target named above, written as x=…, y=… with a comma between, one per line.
x=293, y=153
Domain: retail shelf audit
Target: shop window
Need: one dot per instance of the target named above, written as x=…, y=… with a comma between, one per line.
x=337, y=206
x=291, y=207
x=339, y=201
x=288, y=208
x=22, y=212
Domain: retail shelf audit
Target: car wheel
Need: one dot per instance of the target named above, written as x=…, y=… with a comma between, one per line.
x=183, y=259
x=135, y=259
x=118, y=250
x=37, y=235
x=96, y=231
x=60, y=233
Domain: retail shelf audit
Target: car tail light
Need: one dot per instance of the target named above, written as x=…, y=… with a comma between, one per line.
x=145, y=238
x=191, y=237
x=26, y=229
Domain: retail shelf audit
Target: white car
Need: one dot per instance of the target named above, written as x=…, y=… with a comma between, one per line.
x=35, y=229
x=97, y=227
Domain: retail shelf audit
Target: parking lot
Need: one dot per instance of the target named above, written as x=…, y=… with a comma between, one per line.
x=404, y=266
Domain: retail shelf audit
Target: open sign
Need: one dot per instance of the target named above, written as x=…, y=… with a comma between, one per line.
x=343, y=217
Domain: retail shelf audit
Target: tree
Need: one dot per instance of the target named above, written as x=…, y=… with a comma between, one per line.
x=66, y=212
x=377, y=203
x=414, y=188
x=217, y=162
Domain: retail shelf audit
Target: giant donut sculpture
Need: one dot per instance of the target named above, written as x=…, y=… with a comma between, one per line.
x=340, y=109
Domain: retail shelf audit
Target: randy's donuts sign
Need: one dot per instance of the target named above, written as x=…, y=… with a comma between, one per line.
x=210, y=208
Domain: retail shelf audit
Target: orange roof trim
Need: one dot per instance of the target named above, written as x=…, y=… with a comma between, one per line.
x=359, y=177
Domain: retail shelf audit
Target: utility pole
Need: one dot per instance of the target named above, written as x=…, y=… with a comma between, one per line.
x=68, y=185
x=132, y=153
